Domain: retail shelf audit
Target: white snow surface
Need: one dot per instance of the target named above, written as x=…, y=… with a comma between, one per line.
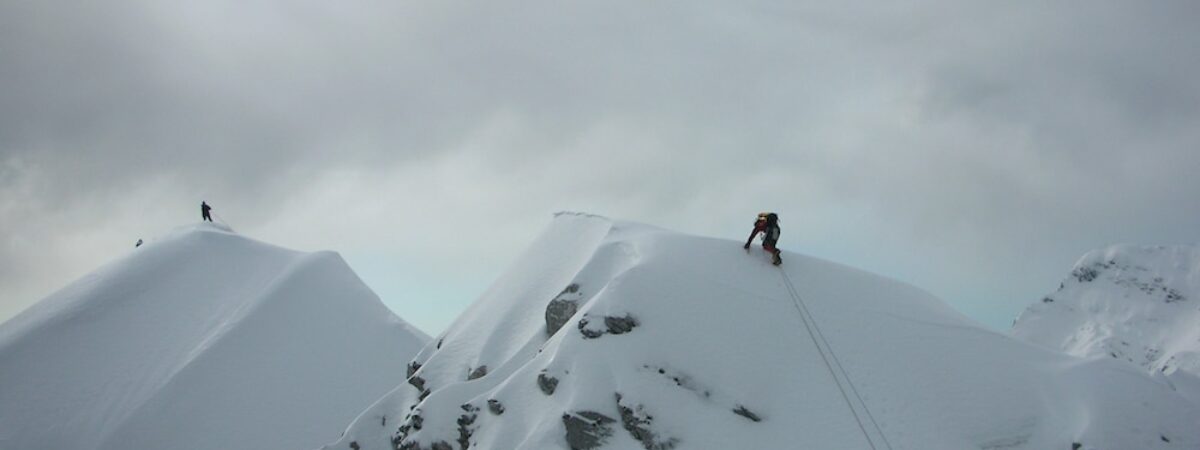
x=203, y=339
x=852, y=361
x=1137, y=304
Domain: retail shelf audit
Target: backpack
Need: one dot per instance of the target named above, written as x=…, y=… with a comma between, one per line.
x=772, y=232
x=772, y=222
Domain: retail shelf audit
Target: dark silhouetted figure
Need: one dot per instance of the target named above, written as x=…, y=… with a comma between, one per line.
x=204, y=208
x=138, y=244
x=768, y=225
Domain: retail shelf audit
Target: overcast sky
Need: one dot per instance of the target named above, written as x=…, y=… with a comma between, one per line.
x=973, y=149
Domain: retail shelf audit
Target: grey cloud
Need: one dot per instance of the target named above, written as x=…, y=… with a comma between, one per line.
x=979, y=134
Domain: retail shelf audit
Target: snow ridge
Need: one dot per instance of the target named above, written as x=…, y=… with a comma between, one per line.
x=202, y=339
x=614, y=335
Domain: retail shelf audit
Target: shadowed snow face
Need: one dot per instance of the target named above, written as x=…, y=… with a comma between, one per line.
x=432, y=140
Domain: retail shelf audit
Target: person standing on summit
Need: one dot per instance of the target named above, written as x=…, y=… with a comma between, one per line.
x=768, y=225
x=204, y=208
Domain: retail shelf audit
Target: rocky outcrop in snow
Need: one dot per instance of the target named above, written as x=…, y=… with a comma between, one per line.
x=562, y=308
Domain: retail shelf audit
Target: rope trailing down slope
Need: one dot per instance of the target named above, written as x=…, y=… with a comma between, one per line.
x=843, y=381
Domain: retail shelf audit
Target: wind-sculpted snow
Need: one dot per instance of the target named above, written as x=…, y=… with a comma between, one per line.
x=1137, y=304
x=201, y=340
x=682, y=342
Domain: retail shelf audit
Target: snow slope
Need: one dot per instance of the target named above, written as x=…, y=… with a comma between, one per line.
x=675, y=341
x=203, y=339
x=1138, y=304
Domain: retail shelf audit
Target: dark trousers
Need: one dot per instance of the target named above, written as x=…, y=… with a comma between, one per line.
x=769, y=245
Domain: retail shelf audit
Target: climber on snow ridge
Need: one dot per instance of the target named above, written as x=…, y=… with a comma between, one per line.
x=768, y=225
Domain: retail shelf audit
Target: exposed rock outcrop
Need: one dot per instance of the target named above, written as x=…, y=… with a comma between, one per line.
x=495, y=407
x=637, y=422
x=612, y=325
x=419, y=383
x=742, y=411
x=547, y=383
x=562, y=308
x=479, y=372
x=465, y=422
x=587, y=430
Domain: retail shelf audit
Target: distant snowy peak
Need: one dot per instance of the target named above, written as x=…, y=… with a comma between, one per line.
x=1140, y=304
x=201, y=339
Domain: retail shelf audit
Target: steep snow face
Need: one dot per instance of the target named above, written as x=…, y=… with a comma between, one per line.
x=613, y=335
x=1138, y=304
x=201, y=340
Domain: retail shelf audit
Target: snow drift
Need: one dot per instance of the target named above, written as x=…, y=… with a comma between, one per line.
x=202, y=340
x=615, y=335
x=1131, y=303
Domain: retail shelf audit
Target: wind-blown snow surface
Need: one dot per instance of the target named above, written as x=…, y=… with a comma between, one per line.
x=691, y=343
x=1138, y=304
x=202, y=340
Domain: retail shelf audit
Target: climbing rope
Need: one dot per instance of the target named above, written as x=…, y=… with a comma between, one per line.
x=818, y=338
x=222, y=219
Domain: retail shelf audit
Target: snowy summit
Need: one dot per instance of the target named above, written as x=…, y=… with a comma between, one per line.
x=201, y=340
x=615, y=335
x=1137, y=304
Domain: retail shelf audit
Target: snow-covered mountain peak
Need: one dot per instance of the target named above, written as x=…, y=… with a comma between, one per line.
x=1139, y=304
x=200, y=339
x=607, y=334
